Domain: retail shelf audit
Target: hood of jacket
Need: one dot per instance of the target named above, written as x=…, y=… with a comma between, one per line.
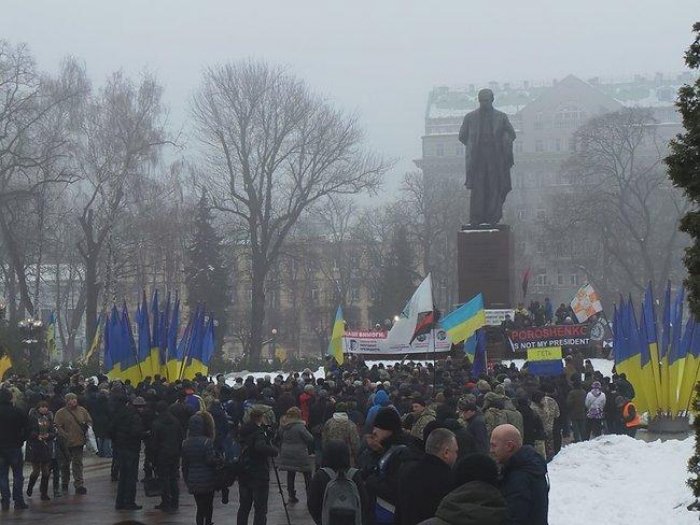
x=528, y=460
x=195, y=427
x=474, y=503
x=381, y=398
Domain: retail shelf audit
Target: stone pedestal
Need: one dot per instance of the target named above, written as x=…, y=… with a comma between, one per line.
x=485, y=264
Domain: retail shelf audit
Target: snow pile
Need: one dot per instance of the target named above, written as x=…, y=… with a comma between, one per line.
x=617, y=480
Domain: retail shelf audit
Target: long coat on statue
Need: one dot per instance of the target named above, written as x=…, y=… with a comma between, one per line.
x=493, y=161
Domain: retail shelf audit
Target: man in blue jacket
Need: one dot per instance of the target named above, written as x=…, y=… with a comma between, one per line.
x=524, y=482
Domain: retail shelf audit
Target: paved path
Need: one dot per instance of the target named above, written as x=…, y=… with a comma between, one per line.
x=97, y=507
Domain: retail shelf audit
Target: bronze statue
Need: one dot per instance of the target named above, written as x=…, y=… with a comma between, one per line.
x=488, y=139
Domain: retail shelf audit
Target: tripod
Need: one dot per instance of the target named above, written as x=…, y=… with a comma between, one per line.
x=279, y=486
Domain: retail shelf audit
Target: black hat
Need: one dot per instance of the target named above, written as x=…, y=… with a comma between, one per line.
x=388, y=419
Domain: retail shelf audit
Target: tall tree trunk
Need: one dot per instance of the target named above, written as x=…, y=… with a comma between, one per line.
x=257, y=310
x=92, y=290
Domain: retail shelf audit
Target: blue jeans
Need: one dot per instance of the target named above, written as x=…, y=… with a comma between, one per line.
x=104, y=447
x=11, y=458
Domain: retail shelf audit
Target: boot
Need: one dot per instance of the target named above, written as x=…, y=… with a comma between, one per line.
x=31, y=483
x=293, y=497
x=44, y=487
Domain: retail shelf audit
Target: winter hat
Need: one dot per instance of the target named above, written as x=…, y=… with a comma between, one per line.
x=388, y=419
x=483, y=386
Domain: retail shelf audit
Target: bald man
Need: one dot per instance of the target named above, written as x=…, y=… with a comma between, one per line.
x=524, y=482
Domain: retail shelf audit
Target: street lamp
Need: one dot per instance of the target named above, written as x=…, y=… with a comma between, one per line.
x=274, y=342
x=30, y=330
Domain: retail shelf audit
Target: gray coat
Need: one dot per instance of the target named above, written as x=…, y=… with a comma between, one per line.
x=295, y=440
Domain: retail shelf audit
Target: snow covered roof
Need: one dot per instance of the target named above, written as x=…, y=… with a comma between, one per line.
x=652, y=91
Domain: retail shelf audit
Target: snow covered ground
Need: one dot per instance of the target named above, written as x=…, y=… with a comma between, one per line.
x=617, y=480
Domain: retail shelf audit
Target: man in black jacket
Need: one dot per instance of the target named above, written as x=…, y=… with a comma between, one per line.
x=254, y=482
x=523, y=477
x=13, y=431
x=127, y=432
x=166, y=441
x=423, y=483
x=476, y=425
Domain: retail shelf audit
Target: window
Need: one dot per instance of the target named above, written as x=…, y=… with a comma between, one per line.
x=522, y=215
x=560, y=278
x=568, y=117
x=518, y=147
x=541, y=278
x=572, y=144
x=557, y=145
x=541, y=214
x=315, y=295
x=574, y=279
x=440, y=150
x=539, y=121
x=539, y=145
x=541, y=247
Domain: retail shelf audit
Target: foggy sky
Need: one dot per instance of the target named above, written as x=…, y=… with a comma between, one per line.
x=379, y=58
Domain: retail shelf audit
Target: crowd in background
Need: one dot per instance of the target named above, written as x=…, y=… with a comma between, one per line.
x=420, y=443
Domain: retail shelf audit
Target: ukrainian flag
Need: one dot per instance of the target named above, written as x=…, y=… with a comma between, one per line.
x=144, y=341
x=113, y=346
x=5, y=364
x=691, y=365
x=335, y=346
x=131, y=368
x=651, y=367
x=463, y=322
x=191, y=362
x=664, y=377
x=201, y=354
x=173, y=358
x=627, y=348
x=677, y=354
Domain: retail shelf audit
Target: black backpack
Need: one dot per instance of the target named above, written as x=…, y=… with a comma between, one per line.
x=341, y=499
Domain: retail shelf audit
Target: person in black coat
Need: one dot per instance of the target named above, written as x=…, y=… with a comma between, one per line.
x=42, y=434
x=388, y=449
x=254, y=482
x=523, y=477
x=127, y=433
x=199, y=464
x=166, y=440
x=13, y=431
x=476, y=427
x=423, y=483
x=336, y=456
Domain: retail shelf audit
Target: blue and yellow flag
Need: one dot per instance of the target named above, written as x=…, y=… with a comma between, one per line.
x=463, y=322
x=652, y=366
x=691, y=366
x=5, y=365
x=173, y=359
x=676, y=355
x=335, y=345
x=546, y=361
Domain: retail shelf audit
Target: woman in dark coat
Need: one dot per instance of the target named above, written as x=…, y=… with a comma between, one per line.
x=295, y=441
x=336, y=456
x=42, y=434
x=199, y=464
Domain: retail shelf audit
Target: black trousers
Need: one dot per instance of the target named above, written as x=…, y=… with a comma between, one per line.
x=253, y=494
x=166, y=470
x=291, y=476
x=128, y=476
x=205, y=507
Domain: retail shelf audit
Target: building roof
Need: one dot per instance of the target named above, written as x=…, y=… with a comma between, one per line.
x=642, y=91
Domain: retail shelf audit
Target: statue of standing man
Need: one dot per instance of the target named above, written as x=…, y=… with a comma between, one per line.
x=488, y=137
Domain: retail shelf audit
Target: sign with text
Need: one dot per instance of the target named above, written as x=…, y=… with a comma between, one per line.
x=545, y=361
x=568, y=335
x=548, y=353
x=376, y=342
x=496, y=317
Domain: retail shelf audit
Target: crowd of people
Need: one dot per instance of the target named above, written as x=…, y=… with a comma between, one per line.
x=403, y=444
x=539, y=314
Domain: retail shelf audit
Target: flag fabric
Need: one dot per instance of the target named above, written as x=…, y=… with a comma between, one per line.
x=478, y=357
x=411, y=318
x=114, y=348
x=463, y=322
x=143, y=324
x=586, y=303
x=691, y=367
x=545, y=361
x=131, y=369
x=335, y=345
x=51, y=348
x=677, y=353
x=96, y=341
x=172, y=359
x=651, y=334
x=192, y=354
x=5, y=365
x=525, y=282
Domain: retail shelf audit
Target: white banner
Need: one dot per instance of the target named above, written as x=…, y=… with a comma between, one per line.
x=358, y=342
x=496, y=317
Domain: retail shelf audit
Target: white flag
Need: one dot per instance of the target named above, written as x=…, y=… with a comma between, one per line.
x=420, y=303
x=586, y=303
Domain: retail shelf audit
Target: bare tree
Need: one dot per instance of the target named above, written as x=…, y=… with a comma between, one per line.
x=36, y=115
x=620, y=215
x=272, y=151
x=121, y=138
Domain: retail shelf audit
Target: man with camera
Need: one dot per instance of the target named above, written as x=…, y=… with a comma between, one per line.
x=254, y=481
x=72, y=422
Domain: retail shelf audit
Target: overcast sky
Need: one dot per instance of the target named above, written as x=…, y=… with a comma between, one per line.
x=379, y=58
